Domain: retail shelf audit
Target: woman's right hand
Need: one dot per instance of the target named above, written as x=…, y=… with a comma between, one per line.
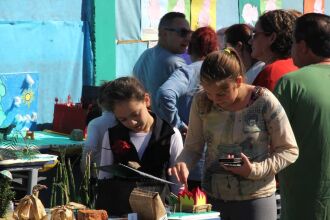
x=181, y=172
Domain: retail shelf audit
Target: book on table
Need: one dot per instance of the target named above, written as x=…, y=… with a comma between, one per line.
x=194, y=216
x=125, y=180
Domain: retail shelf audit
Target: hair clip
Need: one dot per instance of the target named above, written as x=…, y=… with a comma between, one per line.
x=227, y=50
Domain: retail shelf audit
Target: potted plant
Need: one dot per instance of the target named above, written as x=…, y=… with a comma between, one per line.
x=6, y=192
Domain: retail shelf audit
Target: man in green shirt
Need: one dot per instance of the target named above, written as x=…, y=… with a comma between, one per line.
x=304, y=94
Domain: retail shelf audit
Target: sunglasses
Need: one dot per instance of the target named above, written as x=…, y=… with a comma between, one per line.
x=256, y=33
x=182, y=32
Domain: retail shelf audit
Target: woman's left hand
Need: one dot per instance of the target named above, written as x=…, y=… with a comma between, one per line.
x=243, y=170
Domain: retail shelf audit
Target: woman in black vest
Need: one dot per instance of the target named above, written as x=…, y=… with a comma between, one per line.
x=140, y=138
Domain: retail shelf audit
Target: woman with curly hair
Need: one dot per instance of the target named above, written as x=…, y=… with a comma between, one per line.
x=271, y=43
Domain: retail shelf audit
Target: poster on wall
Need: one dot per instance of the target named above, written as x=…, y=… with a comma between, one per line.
x=180, y=6
x=203, y=13
x=153, y=10
x=269, y=5
x=316, y=6
x=19, y=100
x=249, y=11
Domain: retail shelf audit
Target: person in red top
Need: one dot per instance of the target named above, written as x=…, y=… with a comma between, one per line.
x=271, y=43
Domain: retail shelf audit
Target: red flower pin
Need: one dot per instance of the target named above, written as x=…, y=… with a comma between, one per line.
x=121, y=147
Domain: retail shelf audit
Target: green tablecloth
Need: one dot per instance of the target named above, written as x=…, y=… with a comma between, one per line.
x=45, y=140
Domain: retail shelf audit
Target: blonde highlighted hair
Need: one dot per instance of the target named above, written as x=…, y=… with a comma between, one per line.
x=221, y=65
x=218, y=66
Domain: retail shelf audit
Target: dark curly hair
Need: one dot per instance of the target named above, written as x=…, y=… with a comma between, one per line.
x=280, y=22
x=203, y=41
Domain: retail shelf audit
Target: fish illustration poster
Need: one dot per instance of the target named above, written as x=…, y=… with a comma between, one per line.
x=153, y=10
x=249, y=11
x=269, y=5
x=19, y=100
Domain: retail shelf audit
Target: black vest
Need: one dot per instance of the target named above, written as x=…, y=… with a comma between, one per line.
x=113, y=194
x=155, y=159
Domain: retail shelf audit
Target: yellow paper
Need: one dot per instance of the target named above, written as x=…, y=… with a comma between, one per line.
x=203, y=13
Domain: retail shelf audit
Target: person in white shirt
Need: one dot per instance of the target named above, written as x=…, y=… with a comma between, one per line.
x=95, y=132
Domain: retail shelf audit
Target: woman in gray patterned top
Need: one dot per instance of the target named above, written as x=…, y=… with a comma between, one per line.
x=237, y=120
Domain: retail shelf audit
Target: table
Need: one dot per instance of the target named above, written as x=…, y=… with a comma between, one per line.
x=48, y=141
x=31, y=165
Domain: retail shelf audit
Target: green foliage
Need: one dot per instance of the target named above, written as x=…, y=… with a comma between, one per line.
x=12, y=150
x=63, y=187
x=6, y=194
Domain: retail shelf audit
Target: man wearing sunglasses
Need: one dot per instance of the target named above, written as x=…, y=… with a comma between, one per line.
x=156, y=64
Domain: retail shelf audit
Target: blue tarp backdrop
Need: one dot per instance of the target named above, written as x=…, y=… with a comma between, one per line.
x=51, y=37
x=126, y=57
x=41, y=10
x=48, y=37
x=128, y=19
x=54, y=49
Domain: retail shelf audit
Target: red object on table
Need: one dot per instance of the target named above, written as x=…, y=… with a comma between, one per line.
x=67, y=118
